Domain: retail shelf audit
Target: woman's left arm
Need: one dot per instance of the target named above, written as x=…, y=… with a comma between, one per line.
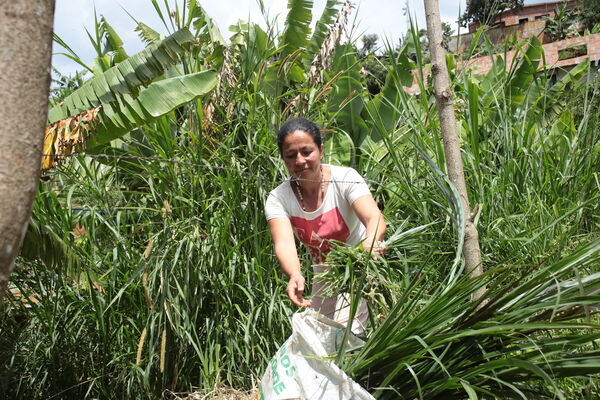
x=367, y=211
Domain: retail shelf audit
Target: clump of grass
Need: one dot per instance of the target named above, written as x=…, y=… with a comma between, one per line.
x=153, y=276
x=433, y=341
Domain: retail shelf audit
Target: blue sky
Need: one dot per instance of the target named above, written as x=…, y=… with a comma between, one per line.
x=383, y=17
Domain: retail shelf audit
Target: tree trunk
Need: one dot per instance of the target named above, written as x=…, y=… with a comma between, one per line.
x=454, y=166
x=25, y=59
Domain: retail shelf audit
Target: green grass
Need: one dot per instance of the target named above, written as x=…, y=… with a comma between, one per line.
x=173, y=285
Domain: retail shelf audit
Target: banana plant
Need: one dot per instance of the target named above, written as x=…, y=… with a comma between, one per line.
x=125, y=96
x=297, y=48
x=126, y=77
x=369, y=123
x=519, y=89
x=522, y=333
x=321, y=30
x=346, y=100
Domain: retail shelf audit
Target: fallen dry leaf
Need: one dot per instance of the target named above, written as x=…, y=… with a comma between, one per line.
x=79, y=231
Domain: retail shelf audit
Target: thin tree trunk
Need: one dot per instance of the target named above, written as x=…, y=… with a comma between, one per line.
x=25, y=57
x=454, y=166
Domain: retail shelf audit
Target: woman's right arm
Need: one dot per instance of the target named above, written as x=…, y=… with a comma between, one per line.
x=285, y=251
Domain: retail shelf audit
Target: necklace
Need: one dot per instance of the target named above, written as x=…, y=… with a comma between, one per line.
x=300, y=192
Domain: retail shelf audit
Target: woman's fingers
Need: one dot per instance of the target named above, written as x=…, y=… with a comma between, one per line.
x=378, y=249
x=295, y=291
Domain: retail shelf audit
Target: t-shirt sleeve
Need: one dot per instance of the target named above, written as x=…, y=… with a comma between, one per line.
x=356, y=186
x=274, y=207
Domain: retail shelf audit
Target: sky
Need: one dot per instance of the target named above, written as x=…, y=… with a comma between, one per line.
x=386, y=18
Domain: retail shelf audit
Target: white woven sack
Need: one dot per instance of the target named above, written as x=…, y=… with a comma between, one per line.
x=302, y=368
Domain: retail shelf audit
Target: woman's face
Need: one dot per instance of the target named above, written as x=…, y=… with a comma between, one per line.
x=301, y=155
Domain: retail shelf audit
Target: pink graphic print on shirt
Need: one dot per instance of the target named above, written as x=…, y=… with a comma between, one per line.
x=315, y=233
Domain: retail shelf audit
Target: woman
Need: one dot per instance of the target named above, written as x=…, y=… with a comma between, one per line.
x=319, y=203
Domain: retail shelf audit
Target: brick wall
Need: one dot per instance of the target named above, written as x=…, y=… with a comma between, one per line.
x=512, y=17
x=459, y=44
x=482, y=65
x=551, y=50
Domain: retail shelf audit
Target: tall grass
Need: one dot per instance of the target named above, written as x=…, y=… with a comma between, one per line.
x=179, y=287
x=159, y=276
x=530, y=167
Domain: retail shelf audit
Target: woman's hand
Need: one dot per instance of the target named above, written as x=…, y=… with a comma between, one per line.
x=367, y=211
x=295, y=289
x=285, y=250
x=378, y=248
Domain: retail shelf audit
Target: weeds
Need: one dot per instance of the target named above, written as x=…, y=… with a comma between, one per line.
x=152, y=276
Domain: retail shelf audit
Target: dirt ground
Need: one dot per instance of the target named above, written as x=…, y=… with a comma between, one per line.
x=218, y=394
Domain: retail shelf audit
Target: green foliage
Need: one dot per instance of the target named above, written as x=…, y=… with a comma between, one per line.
x=447, y=33
x=321, y=30
x=346, y=103
x=124, y=78
x=369, y=43
x=153, y=241
x=572, y=52
x=297, y=27
x=126, y=93
x=484, y=11
x=371, y=66
x=589, y=13
x=515, y=334
x=142, y=275
x=562, y=23
x=156, y=100
x=64, y=85
x=113, y=43
x=375, y=73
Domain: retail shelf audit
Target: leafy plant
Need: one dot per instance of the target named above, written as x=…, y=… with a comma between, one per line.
x=562, y=24
x=483, y=11
x=572, y=52
x=441, y=344
x=154, y=271
x=590, y=13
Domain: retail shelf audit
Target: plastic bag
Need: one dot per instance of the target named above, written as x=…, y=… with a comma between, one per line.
x=302, y=368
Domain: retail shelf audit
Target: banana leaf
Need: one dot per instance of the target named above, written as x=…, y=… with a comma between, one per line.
x=125, y=77
x=156, y=100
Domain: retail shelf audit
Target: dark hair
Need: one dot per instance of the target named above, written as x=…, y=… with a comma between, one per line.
x=299, y=124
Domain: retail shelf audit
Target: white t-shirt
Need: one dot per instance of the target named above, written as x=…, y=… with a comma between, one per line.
x=334, y=219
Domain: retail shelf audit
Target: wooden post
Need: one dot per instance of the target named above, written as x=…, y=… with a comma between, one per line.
x=454, y=165
x=25, y=60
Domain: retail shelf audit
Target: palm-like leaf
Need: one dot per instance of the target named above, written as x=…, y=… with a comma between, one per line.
x=321, y=30
x=114, y=43
x=522, y=76
x=147, y=34
x=297, y=27
x=118, y=102
x=156, y=100
x=43, y=243
x=383, y=110
x=198, y=17
x=125, y=77
x=346, y=102
x=428, y=348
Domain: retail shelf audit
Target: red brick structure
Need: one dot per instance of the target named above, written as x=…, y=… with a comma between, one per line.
x=526, y=14
x=551, y=54
x=590, y=44
x=499, y=35
x=523, y=24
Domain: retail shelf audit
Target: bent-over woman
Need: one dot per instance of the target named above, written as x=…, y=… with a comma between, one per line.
x=319, y=203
